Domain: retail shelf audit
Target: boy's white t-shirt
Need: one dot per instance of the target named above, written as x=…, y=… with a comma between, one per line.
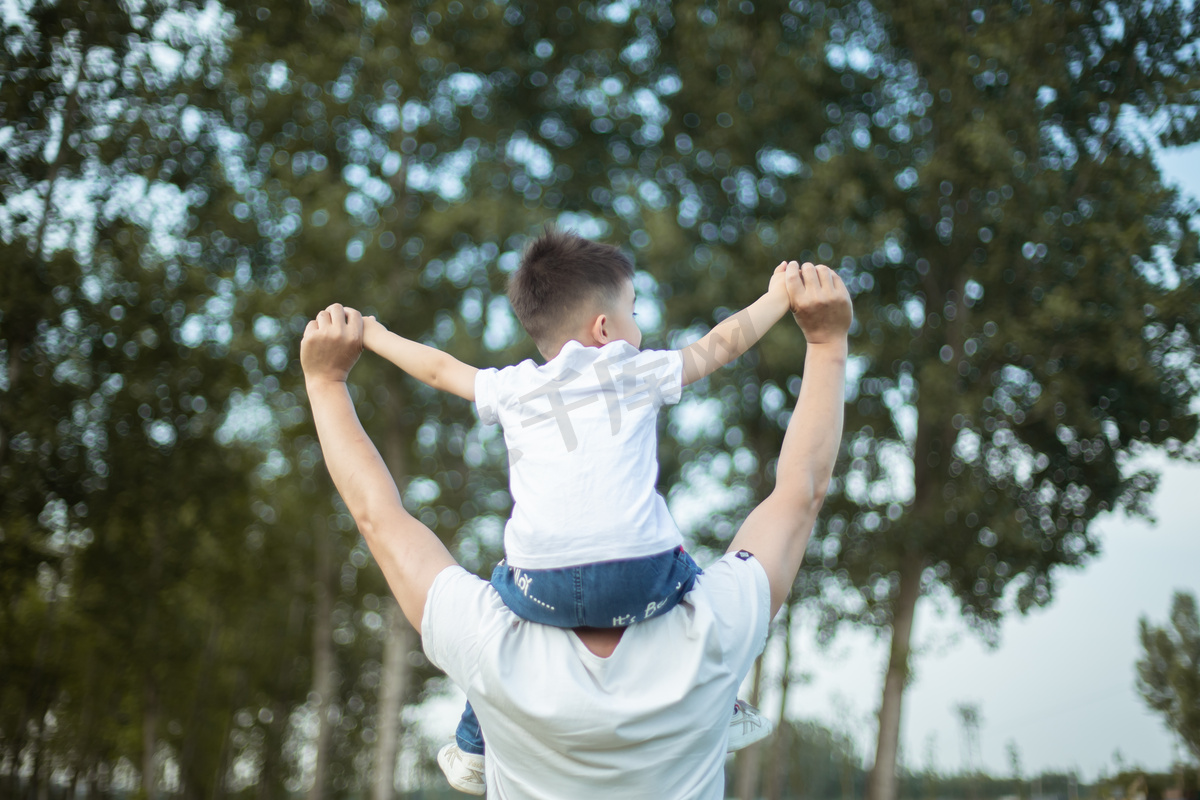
x=651, y=720
x=582, y=440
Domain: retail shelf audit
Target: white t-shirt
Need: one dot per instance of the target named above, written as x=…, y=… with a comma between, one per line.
x=650, y=721
x=583, y=453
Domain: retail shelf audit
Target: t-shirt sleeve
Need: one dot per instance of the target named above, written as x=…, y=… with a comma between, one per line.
x=487, y=396
x=740, y=595
x=659, y=374
x=459, y=609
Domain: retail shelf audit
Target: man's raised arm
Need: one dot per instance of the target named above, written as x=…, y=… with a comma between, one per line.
x=777, y=531
x=409, y=554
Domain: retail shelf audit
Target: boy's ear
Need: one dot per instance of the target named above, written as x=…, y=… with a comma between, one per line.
x=599, y=329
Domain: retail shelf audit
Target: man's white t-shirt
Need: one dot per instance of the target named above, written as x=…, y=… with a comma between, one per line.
x=583, y=453
x=649, y=721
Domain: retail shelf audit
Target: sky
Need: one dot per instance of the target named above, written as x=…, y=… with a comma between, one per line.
x=1060, y=685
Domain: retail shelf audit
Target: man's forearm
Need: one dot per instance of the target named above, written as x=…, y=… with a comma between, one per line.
x=357, y=469
x=778, y=529
x=810, y=445
x=409, y=554
x=732, y=337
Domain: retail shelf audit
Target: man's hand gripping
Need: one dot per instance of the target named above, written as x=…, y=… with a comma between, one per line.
x=820, y=302
x=332, y=343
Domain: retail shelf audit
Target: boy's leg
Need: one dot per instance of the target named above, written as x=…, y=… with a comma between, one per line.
x=546, y=596
x=468, y=736
x=462, y=761
x=616, y=594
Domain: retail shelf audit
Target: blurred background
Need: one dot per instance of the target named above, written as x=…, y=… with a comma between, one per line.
x=998, y=600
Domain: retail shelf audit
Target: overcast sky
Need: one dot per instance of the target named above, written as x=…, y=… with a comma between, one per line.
x=1060, y=685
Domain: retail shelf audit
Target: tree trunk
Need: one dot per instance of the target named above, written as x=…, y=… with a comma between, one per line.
x=150, y=637
x=225, y=759
x=323, y=678
x=41, y=764
x=150, y=740
x=268, y=778
x=80, y=760
x=68, y=125
x=882, y=778
x=777, y=766
x=33, y=703
x=393, y=688
x=749, y=760
x=397, y=673
x=187, y=756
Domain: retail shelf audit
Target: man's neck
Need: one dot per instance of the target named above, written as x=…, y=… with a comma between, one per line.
x=600, y=641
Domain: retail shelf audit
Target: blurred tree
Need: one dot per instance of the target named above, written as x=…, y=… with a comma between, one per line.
x=1168, y=674
x=777, y=759
x=1021, y=281
x=819, y=762
x=969, y=719
x=115, y=562
x=1025, y=300
x=1014, y=764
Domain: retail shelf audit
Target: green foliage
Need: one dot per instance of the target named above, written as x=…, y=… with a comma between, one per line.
x=1168, y=674
x=1016, y=338
x=169, y=545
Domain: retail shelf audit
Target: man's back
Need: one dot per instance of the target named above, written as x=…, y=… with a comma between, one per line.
x=651, y=720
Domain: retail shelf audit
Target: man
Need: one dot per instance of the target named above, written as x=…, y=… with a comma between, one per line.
x=636, y=712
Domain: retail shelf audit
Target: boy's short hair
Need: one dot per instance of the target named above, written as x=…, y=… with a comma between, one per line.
x=559, y=272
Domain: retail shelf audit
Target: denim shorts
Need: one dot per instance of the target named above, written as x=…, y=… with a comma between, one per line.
x=609, y=594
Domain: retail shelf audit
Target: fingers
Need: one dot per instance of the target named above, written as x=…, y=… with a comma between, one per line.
x=810, y=273
x=354, y=324
x=793, y=281
x=337, y=316
x=337, y=319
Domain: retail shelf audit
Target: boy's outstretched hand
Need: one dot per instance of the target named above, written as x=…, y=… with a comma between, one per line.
x=332, y=343
x=778, y=283
x=820, y=302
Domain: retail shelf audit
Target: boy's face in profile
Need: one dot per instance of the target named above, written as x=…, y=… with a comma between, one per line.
x=621, y=323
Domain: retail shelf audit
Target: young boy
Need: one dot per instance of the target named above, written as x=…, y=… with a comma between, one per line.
x=590, y=542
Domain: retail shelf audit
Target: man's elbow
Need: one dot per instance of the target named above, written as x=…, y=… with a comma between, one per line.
x=805, y=498
x=375, y=516
x=820, y=488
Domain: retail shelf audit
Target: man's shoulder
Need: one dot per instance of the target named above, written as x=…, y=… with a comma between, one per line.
x=736, y=593
x=454, y=586
x=738, y=572
x=461, y=612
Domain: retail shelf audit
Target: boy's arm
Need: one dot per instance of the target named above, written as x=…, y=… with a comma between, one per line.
x=408, y=553
x=736, y=334
x=777, y=531
x=427, y=364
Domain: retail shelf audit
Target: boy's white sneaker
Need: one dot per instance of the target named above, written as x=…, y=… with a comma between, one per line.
x=463, y=770
x=747, y=726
